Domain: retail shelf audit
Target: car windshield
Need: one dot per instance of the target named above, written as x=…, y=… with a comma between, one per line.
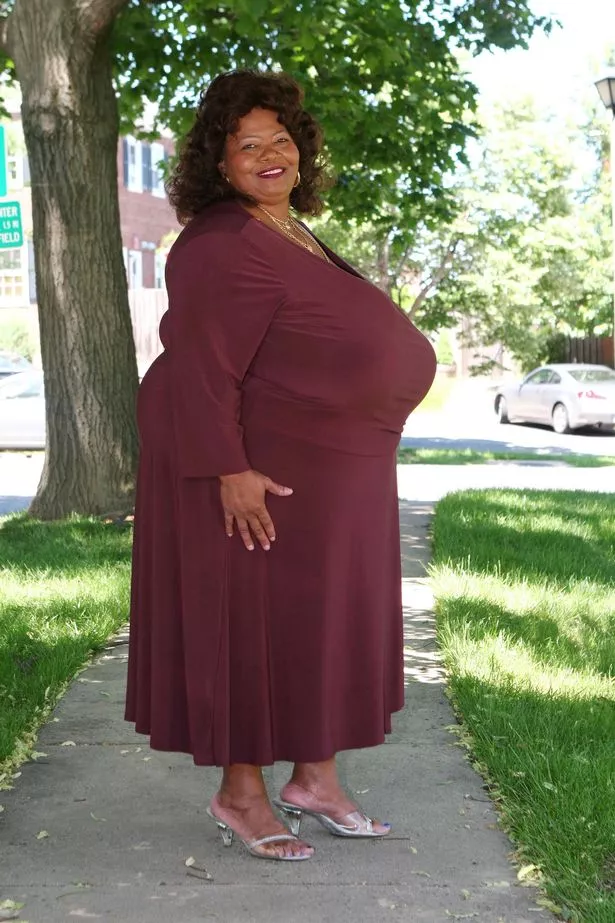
x=22, y=384
x=592, y=375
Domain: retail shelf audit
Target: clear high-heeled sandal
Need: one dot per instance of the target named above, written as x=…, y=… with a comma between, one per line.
x=256, y=847
x=356, y=824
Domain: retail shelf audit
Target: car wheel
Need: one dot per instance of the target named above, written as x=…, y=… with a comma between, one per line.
x=559, y=419
x=501, y=408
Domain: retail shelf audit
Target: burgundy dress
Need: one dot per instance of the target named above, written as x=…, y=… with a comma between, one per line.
x=301, y=369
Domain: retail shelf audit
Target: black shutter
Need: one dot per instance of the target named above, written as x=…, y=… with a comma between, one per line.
x=126, y=164
x=146, y=162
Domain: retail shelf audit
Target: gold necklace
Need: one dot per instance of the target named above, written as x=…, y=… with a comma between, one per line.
x=290, y=227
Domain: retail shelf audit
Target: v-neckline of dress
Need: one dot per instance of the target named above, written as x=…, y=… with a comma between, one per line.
x=334, y=261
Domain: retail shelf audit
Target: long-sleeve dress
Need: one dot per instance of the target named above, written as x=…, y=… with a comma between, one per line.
x=301, y=369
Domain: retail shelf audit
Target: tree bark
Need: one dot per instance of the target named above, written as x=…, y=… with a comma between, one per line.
x=61, y=50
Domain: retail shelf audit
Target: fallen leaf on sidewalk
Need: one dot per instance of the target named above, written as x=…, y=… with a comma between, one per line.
x=549, y=905
x=68, y=743
x=1, y=809
x=529, y=874
x=37, y=755
x=460, y=916
x=197, y=871
x=9, y=910
x=42, y=835
x=94, y=817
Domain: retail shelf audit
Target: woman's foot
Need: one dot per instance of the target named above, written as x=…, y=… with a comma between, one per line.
x=315, y=787
x=251, y=818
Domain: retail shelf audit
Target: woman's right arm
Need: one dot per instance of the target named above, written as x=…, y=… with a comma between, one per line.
x=222, y=299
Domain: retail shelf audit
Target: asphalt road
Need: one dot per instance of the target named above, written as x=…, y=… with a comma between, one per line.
x=468, y=422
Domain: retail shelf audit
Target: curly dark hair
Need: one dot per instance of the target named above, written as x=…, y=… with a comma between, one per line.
x=196, y=182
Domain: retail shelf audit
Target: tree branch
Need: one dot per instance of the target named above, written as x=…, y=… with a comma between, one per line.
x=440, y=273
x=400, y=264
x=98, y=15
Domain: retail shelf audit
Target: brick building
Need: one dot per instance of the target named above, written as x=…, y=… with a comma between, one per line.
x=146, y=217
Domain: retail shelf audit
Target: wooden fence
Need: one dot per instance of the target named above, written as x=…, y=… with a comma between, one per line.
x=147, y=305
x=589, y=349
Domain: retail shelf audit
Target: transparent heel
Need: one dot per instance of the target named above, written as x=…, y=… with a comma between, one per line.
x=258, y=847
x=357, y=823
x=225, y=832
x=293, y=817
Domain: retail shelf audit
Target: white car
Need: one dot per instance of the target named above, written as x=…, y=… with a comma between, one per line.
x=22, y=411
x=564, y=396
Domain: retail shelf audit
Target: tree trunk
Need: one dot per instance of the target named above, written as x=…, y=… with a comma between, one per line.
x=61, y=50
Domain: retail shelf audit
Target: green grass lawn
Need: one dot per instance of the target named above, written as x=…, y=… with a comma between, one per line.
x=63, y=591
x=525, y=587
x=410, y=456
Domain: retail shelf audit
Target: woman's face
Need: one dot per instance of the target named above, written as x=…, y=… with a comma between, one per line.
x=261, y=159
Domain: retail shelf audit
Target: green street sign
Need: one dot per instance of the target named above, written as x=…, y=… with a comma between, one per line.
x=3, y=185
x=11, y=227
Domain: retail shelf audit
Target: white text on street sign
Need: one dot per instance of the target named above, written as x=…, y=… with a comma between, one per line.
x=11, y=227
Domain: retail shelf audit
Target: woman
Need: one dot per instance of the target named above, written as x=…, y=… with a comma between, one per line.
x=266, y=611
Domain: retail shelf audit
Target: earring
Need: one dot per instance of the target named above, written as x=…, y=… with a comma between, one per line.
x=297, y=181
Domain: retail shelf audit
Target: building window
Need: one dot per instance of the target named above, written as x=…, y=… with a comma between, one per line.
x=13, y=277
x=146, y=166
x=133, y=164
x=158, y=159
x=135, y=269
x=14, y=172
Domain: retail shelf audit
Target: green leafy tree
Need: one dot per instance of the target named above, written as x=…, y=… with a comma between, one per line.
x=383, y=78
x=533, y=242
x=526, y=258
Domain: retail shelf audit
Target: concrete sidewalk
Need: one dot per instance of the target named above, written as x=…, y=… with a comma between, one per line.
x=121, y=819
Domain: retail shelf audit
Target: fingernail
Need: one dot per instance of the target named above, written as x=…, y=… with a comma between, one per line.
x=266, y=547
x=272, y=539
x=250, y=547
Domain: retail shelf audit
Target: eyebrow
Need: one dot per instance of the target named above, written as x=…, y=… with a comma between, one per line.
x=280, y=131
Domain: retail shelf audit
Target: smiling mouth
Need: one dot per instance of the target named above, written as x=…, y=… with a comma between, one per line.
x=272, y=172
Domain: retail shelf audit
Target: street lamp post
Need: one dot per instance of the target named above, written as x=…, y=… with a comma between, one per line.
x=606, y=89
